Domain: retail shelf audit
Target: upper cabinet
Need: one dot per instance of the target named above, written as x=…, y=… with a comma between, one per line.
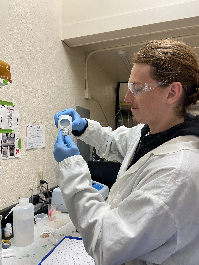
x=102, y=24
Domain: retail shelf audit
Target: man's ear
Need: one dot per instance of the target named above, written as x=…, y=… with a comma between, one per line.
x=174, y=92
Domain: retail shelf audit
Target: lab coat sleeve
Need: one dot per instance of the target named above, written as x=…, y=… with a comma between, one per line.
x=140, y=223
x=109, y=144
x=85, y=205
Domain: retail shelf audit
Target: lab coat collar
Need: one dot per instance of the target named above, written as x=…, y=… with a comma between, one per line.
x=174, y=145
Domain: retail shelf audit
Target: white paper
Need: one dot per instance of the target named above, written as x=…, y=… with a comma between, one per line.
x=69, y=251
x=9, y=145
x=9, y=117
x=35, y=136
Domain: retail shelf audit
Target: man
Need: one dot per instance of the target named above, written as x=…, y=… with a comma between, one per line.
x=152, y=212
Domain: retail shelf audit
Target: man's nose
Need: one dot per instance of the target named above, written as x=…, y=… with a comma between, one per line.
x=129, y=98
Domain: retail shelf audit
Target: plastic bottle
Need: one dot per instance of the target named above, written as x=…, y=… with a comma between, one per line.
x=23, y=223
x=8, y=231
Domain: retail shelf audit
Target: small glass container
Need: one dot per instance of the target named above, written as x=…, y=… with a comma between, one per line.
x=41, y=219
x=65, y=124
x=52, y=212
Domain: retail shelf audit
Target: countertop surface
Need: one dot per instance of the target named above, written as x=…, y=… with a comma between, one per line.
x=34, y=253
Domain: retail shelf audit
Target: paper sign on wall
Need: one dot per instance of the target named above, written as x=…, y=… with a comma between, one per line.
x=35, y=136
x=9, y=117
x=10, y=143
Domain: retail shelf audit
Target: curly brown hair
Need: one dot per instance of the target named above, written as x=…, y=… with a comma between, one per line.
x=173, y=61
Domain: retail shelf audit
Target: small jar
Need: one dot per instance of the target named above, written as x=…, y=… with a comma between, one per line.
x=8, y=231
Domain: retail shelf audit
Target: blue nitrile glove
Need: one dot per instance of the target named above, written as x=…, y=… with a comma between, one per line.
x=64, y=147
x=77, y=122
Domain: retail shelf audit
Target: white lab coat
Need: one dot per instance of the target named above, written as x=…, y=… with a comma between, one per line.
x=152, y=213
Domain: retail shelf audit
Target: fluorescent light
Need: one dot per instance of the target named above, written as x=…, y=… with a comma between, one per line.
x=125, y=60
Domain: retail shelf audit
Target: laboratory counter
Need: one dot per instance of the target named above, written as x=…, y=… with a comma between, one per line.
x=34, y=253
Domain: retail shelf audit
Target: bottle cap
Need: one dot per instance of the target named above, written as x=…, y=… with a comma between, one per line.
x=65, y=124
x=24, y=200
x=6, y=244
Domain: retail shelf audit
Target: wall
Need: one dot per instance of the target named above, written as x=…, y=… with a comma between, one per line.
x=102, y=89
x=47, y=77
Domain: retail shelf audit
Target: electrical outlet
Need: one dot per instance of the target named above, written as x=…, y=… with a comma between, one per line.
x=39, y=176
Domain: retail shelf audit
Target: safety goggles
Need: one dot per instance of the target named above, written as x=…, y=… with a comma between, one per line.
x=138, y=89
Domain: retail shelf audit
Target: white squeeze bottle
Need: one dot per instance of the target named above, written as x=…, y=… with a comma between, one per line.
x=23, y=223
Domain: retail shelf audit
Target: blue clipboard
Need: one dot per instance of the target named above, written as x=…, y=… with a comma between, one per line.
x=70, y=237
x=70, y=250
